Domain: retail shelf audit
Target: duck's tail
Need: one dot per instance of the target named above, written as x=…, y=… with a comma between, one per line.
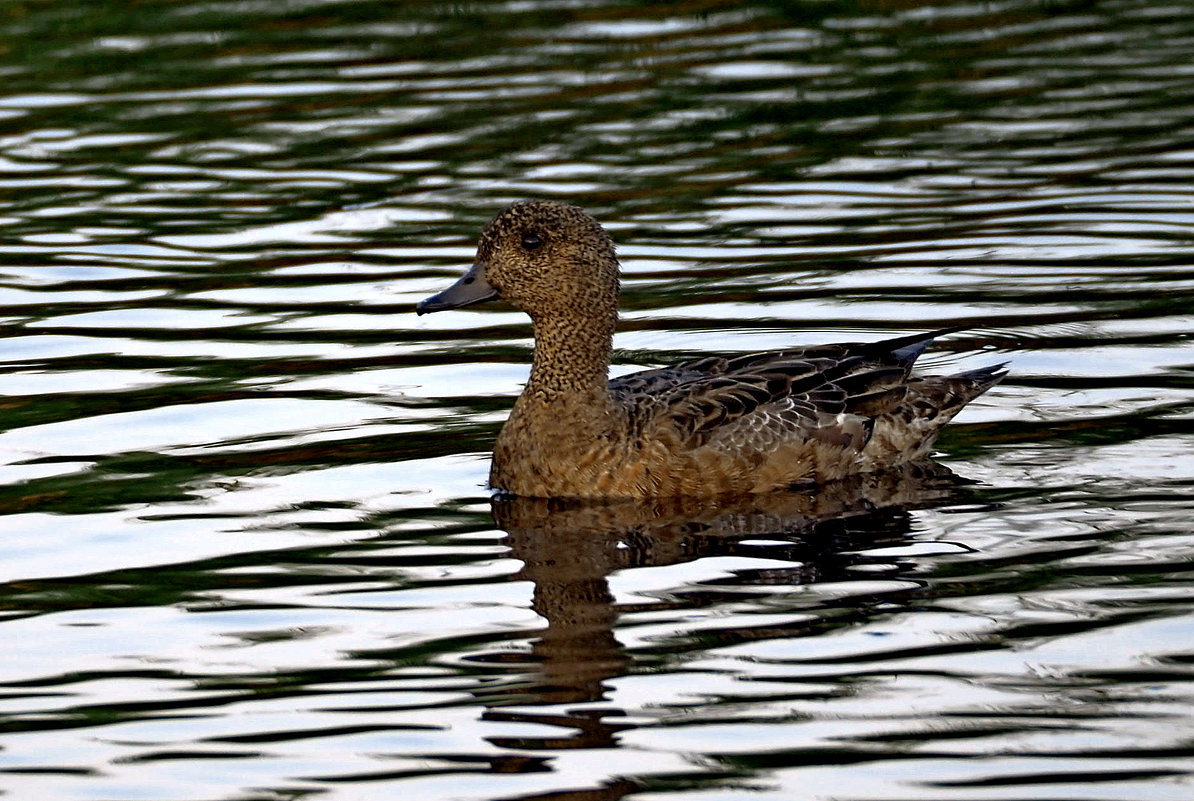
x=905, y=350
x=907, y=432
x=969, y=385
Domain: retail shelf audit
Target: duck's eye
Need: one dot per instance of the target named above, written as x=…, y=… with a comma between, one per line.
x=531, y=241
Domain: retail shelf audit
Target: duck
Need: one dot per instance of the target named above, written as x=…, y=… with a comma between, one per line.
x=717, y=426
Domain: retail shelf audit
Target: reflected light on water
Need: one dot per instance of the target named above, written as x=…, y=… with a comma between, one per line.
x=247, y=548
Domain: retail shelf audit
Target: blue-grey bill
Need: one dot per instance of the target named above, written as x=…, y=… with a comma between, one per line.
x=471, y=288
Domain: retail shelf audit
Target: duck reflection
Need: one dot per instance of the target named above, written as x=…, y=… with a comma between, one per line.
x=570, y=548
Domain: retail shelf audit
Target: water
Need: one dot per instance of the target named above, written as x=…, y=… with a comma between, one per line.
x=246, y=550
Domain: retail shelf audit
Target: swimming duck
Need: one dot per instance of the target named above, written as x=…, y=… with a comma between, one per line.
x=731, y=425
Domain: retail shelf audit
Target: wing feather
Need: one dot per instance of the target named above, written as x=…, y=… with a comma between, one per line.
x=824, y=392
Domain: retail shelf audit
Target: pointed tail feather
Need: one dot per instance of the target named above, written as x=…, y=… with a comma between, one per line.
x=981, y=379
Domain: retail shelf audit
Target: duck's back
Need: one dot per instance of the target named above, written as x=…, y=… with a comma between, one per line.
x=764, y=421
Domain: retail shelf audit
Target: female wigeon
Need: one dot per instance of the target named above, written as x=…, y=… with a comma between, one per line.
x=714, y=426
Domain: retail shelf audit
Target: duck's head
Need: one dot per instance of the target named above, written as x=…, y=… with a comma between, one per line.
x=545, y=257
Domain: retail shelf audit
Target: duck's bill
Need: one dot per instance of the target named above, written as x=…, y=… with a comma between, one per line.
x=471, y=288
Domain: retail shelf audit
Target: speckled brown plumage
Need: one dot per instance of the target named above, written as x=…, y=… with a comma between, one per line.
x=713, y=426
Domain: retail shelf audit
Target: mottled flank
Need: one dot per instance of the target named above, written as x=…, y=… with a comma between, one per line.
x=713, y=426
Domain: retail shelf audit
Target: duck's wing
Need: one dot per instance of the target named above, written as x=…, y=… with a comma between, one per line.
x=746, y=402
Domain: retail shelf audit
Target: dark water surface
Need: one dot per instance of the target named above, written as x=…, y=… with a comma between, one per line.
x=246, y=551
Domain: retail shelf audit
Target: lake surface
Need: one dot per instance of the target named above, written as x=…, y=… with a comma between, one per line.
x=246, y=547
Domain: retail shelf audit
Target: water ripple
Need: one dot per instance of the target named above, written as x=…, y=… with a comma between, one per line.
x=248, y=548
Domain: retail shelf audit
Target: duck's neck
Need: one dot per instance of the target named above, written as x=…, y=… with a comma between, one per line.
x=571, y=362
